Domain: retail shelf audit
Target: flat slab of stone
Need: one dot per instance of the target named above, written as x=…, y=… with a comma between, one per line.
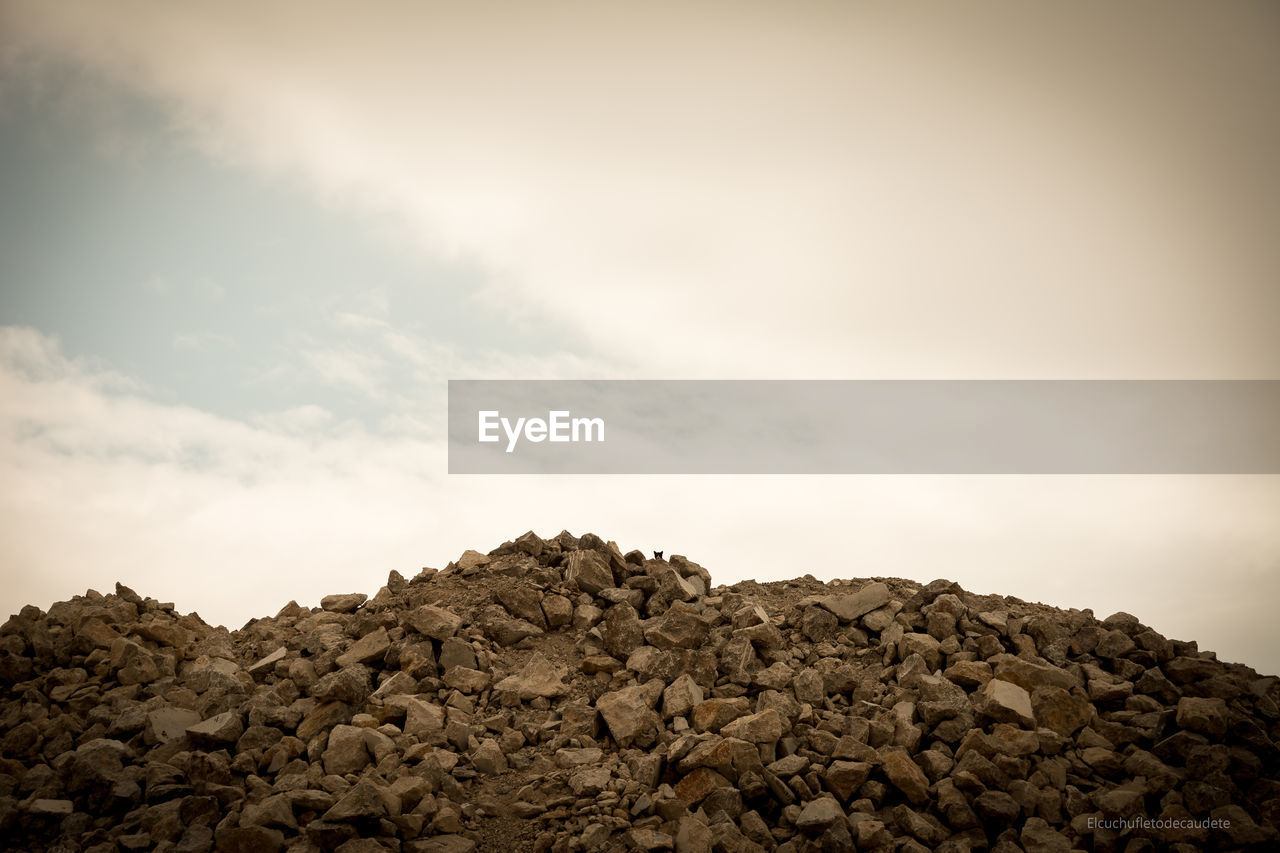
x=221, y=729
x=849, y=607
x=51, y=808
x=1005, y=702
x=168, y=724
x=367, y=649
x=268, y=663
x=344, y=603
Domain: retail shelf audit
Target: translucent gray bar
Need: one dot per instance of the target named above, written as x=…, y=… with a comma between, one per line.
x=866, y=427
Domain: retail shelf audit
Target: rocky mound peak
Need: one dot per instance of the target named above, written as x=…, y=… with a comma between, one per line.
x=558, y=694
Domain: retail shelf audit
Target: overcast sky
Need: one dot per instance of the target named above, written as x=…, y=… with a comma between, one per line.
x=244, y=245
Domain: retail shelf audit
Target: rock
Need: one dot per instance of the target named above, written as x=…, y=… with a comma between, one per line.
x=678, y=628
x=680, y=697
x=692, y=835
x=764, y=727
x=558, y=611
x=367, y=649
x=623, y=631
x=51, y=808
x=514, y=698
x=99, y=763
x=1114, y=644
x=1059, y=710
x=588, y=571
x=924, y=645
x=362, y=802
x=844, y=778
x=819, y=625
x=267, y=664
x=523, y=603
x=1005, y=702
x=472, y=560
x=1206, y=716
x=905, y=775
x=538, y=677
x=589, y=781
x=808, y=687
x=712, y=714
x=248, y=839
x=321, y=717
x=346, y=752
x=506, y=631
x=350, y=685
x=1039, y=836
x=466, y=680
x=629, y=715
x=488, y=758
x=847, y=608
x=132, y=663
x=455, y=651
x=274, y=811
x=441, y=844
x=694, y=787
x=168, y=724
x=347, y=603
x=647, y=839
x=219, y=730
x=969, y=674
x=818, y=815
x=1030, y=674
x=423, y=720
x=434, y=622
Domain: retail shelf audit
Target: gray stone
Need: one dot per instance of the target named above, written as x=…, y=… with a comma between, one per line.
x=466, y=680
x=456, y=651
x=350, y=685
x=905, y=774
x=1206, y=716
x=590, y=781
x=588, y=571
x=488, y=758
x=362, y=802
x=679, y=628
x=168, y=724
x=849, y=607
x=346, y=752
x=346, y=603
x=680, y=697
x=818, y=815
x=268, y=663
x=629, y=715
x=220, y=730
x=367, y=649
x=51, y=808
x=764, y=727
x=1005, y=702
x=538, y=677
x=431, y=621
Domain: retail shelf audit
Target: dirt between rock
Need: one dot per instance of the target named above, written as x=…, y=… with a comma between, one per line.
x=559, y=694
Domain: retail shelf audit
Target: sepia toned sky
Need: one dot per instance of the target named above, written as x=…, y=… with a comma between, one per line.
x=243, y=246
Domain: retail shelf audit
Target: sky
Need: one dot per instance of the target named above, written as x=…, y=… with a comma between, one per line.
x=243, y=247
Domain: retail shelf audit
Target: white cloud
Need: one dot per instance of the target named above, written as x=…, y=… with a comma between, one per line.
x=821, y=190
x=302, y=420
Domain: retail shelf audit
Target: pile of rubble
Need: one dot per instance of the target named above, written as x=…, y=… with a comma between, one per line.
x=559, y=695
